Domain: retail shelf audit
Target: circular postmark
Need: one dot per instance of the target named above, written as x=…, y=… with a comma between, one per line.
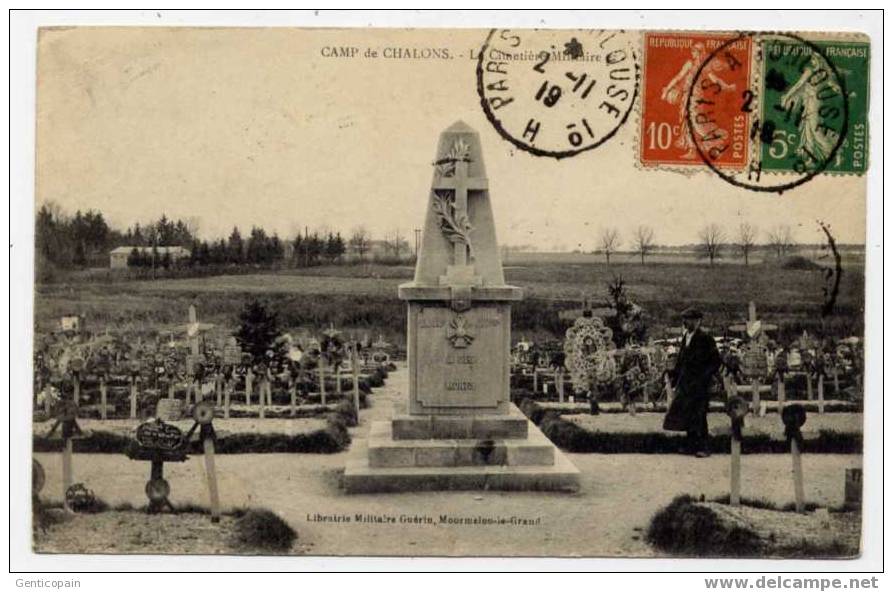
x=559, y=92
x=796, y=106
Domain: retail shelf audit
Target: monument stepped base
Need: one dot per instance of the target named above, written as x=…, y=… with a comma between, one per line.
x=528, y=463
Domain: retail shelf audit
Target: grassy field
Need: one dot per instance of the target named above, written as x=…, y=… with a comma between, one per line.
x=364, y=297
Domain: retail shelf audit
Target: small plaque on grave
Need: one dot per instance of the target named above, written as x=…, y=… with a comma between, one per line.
x=169, y=409
x=755, y=364
x=157, y=435
x=232, y=354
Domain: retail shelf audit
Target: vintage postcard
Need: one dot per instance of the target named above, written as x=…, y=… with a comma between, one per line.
x=450, y=292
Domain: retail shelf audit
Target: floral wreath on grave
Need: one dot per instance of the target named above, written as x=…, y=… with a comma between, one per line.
x=79, y=498
x=587, y=354
x=331, y=348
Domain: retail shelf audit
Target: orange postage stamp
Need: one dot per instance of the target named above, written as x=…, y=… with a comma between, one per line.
x=672, y=62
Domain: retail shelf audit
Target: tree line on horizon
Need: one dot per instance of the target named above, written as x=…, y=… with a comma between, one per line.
x=85, y=239
x=712, y=244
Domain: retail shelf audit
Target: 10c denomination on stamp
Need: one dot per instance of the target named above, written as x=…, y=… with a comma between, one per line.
x=671, y=61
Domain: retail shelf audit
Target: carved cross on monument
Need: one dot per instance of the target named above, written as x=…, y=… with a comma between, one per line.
x=454, y=220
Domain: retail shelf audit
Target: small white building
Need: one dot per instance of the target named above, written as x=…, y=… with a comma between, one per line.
x=118, y=257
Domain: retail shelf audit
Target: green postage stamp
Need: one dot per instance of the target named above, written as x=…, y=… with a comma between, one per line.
x=806, y=126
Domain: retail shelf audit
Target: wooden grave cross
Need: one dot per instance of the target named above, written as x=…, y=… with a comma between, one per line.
x=66, y=418
x=249, y=379
x=171, y=379
x=192, y=330
x=793, y=417
x=103, y=397
x=203, y=413
x=134, y=380
x=322, y=379
x=292, y=373
x=756, y=331
x=77, y=366
x=355, y=371
x=736, y=409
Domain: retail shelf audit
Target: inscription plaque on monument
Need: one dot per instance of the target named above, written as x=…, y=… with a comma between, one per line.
x=457, y=365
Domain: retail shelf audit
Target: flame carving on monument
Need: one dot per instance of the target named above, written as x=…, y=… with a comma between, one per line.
x=458, y=333
x=456, y=227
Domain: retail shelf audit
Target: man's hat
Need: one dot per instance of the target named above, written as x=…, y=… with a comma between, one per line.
x=692, y=313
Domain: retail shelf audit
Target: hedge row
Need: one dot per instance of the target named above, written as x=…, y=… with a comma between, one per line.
x=328, y=440
x=520, y=394
x=574, y=438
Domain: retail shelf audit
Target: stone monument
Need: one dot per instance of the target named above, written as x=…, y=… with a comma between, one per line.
x=460, y=429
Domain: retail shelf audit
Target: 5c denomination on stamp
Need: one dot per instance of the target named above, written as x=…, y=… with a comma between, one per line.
x=796, y=87
x=559, y=92
x=801, y=138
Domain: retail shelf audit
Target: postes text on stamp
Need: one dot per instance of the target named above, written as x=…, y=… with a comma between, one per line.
x=796, y=86
x=800, y=138
x=671, y=61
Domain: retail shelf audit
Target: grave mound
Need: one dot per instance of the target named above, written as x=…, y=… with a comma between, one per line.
x=692, y=528
x=189, y=531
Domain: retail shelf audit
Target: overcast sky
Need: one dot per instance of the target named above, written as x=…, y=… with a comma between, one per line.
x=257, y=127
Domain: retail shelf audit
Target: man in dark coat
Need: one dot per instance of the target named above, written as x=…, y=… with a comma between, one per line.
x=696, y=363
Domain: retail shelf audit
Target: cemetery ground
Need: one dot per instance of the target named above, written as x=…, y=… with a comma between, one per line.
x=610, y=515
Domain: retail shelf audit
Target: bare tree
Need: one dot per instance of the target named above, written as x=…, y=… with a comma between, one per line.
x=644, y=240
x=711, y=237
x=747, y=238
x=781, y=239
x=396, y=244
x=609, y=243
x=359, y=241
